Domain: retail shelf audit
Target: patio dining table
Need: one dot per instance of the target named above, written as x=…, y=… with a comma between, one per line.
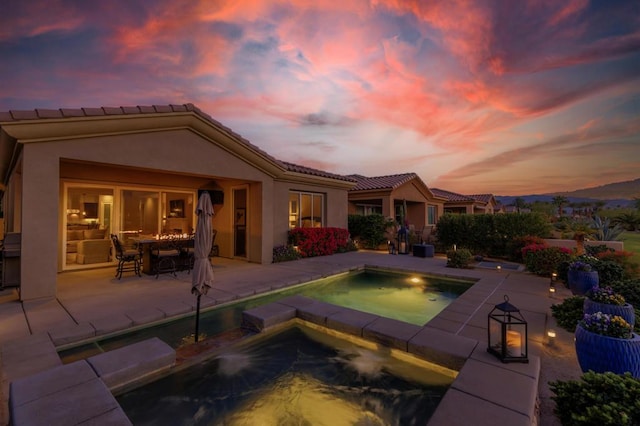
x=146, y=246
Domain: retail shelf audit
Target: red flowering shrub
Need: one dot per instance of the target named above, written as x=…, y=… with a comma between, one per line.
x=543, y=260
x=319, y=241
x=516, y=244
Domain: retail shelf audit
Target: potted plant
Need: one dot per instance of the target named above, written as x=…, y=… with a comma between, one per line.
x=581, y=277
x=607, y=342
x=605, y=300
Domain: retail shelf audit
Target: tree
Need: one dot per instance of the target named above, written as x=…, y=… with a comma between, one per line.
x=599, y=205
x=519, y=204
x=636, y=203
x=542, y=207
x=559, y=201
x=629, y=221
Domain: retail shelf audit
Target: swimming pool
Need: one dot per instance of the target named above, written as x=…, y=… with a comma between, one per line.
x=295, y=376
x=412, y=298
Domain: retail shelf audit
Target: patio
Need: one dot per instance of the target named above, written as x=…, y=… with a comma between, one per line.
x=94, y=302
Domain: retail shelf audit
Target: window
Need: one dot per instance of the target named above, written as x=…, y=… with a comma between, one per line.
x=306, y=210
x=432, y=215
x=368, y=209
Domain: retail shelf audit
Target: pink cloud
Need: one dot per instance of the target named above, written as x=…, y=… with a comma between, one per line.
x=32, y=19
x=570, y=8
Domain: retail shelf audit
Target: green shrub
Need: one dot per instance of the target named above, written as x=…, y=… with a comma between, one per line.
x=285, y=253
x=489, y=234
x=604, y=399
x=368, y=230
x=569, y=312
x=624, y=259
x=563, y=270
x=629, y=289
x=596, y=250
x=609, y=271
x=454, y=229
x=460, y=258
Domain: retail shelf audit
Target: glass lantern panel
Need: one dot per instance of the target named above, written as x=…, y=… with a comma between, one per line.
x=516, y=343
x=495, y=335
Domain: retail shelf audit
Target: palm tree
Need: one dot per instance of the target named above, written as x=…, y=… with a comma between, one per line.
x=629, y=221
x=559, y=201
x=599, y=205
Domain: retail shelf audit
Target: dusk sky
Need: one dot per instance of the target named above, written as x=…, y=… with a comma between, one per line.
x=508, y=97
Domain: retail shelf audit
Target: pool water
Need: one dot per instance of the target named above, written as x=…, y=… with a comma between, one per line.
x=413, y=298
x=298, y=376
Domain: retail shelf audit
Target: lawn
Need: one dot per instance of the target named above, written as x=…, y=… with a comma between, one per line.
x=632, y=243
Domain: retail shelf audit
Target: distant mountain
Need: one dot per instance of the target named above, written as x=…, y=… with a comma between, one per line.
x=618, y=194
x=623, y=190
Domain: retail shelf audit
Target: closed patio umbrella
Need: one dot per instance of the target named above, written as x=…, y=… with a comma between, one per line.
x=202, y=274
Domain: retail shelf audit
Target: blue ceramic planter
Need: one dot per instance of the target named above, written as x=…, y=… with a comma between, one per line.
x=601, y=353
x=580, y=282
x=625, y=311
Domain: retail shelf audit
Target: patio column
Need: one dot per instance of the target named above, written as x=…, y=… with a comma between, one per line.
x=40, y=208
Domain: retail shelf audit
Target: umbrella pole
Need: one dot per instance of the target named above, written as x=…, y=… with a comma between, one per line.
x=197, y=316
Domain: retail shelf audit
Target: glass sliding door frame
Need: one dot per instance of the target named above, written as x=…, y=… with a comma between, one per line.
x=158, y=210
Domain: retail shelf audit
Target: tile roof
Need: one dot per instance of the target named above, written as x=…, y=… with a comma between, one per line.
x=61, y=113
x=452, y=196
x=315, y=172
x=485, y=198
x=381, y=182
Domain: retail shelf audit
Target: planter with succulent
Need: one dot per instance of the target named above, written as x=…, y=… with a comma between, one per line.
x=605, y=300
x=606, y=342
x=581, y=277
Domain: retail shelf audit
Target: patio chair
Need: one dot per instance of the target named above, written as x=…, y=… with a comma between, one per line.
x=215, y=250
x=186, y=256
x=163, y=258
x=128, y=259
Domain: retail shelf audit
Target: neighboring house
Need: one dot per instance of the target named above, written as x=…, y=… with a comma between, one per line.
x=387, y=195
x=469, y=204
x=70, y=175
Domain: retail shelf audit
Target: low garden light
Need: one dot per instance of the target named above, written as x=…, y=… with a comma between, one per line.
x=551, y=337
x=552, y=284
x=507, y=333
x=392, y=247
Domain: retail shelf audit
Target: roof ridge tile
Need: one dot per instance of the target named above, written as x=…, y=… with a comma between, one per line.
x=48, y=113
x=93, y=111
x=112, y=110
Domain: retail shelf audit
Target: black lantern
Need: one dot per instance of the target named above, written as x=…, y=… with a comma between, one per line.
x=507, y=330
x=403, y=241
x=392, y=247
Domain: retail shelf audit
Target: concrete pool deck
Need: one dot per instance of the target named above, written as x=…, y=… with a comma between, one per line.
x=93, y=303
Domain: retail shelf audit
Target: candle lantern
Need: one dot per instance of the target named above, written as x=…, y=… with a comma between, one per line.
x=403, y=241
x=507, y=333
